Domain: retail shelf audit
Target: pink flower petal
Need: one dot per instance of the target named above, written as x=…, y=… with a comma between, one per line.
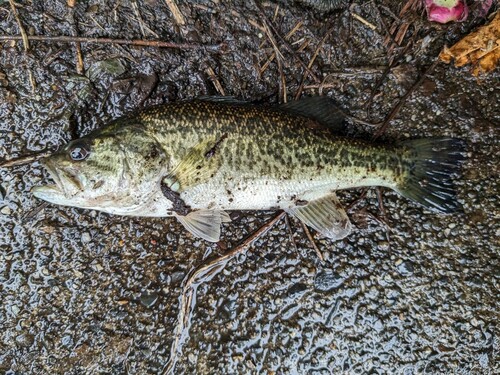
x=444, y=11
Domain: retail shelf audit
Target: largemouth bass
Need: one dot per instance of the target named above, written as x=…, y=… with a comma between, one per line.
x=198, y=159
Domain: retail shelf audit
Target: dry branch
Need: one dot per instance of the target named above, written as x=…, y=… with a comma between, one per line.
x=196, y=277
x=130, y=42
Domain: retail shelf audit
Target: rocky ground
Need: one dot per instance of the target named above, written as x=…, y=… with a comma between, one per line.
x=82, y=292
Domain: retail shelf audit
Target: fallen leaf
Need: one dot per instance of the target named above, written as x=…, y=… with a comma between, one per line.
x=480, y=48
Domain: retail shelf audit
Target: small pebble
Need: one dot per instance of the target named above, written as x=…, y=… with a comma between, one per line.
x=86, y=237
x=6, y=210
x=148, y=299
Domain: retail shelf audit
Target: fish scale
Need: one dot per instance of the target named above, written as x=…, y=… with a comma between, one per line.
x=276, y=137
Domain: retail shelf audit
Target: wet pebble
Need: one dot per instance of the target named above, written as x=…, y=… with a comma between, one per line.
x=67, y=340
x=148, y=299
x=405, y=268
x=297, y=290
x=25, y=339
x=6, y=210
x=327, y=280
x=86, y=237
x=177, y=276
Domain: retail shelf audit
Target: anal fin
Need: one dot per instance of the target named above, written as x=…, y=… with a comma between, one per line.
x=204, y=223
x=325, y=215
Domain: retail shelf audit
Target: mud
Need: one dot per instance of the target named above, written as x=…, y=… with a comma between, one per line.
x=82, y=292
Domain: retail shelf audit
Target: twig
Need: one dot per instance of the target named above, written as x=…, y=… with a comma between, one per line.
x=25, y=159
x=279, y=58
x=142, y=24
x=139, y=18
x=24, y=36
x=380, y=201
x=383, y=212
x=80, y=67
x=215, y=81
x=31, y=214
x=287, y=45
x=290, y=233
x=273, y=55
x=78, y=47
x=311, y=62
x=402, y=101
x=195, y=278
x=131, y=42
x=384, y=26
x=361, y=197
x=179, y=18
x=363, y=21
x=313, y=243
x=32, y=80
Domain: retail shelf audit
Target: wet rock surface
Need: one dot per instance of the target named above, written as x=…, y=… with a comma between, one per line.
x=86, y=292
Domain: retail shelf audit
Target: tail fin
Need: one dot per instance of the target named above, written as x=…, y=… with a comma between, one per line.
x=433, y=163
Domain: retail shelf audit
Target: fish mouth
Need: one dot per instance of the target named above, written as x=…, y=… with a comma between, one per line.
x=67, y=184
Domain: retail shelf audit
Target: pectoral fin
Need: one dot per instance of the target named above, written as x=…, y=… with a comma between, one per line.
x=325, y=215
x=199, y=164
x=204, y=223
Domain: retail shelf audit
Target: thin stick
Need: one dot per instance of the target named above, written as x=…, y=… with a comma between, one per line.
x=290, y=233
x=287, y=45
x=311, y=62
x=287, y=37
x=402, y=101
x=363, y=21
x=279, y=59
x=179, y=18
x=215, y=81
x=302, y=47
x=361, y=197
x=383, y=212
x=25, y=159
x=313, y=243
x=139, y=18
x=24, y=36
x=194, y=279
x=32, y=80
x=131, y=42
x=141, y=22
x=78, y=47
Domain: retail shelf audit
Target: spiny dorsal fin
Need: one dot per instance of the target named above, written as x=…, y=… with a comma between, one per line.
x=320, y=108
x=204, y=223
x=325, y=215
x=222, y=99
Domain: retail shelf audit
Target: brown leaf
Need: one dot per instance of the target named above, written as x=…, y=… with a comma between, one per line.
x=480, y=48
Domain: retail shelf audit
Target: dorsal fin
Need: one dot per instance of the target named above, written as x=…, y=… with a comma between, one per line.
x=325, y=215
x=222, y=99
x=320, y=108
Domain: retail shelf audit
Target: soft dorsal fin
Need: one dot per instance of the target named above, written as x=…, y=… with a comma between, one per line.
x=325, y=215
x=320, y=108
x=204, y=223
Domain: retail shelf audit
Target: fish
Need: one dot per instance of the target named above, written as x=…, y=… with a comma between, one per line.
x=196, y=160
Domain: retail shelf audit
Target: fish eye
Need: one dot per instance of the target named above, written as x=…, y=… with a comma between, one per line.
x=79, y=151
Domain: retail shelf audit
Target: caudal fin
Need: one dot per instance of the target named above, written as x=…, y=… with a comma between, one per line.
x=433, y=163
